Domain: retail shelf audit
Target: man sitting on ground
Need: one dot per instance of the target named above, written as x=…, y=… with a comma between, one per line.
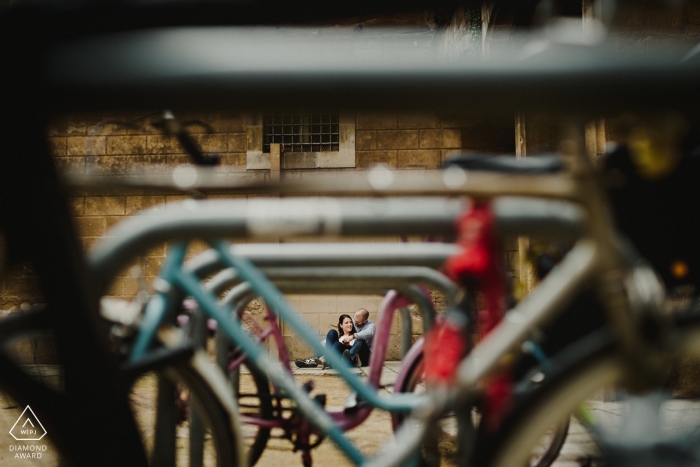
x=358, y=344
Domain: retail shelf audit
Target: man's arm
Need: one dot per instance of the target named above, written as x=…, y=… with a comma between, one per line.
x=367, y=332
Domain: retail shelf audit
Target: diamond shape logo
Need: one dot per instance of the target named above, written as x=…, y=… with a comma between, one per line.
x=28, y=427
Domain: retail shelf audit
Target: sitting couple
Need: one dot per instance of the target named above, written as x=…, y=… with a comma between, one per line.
x=352, y=340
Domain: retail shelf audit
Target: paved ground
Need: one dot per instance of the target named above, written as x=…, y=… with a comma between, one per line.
x=677, y=415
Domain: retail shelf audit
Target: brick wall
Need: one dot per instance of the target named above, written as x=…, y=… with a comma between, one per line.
x=404, y=141
x=80, y=146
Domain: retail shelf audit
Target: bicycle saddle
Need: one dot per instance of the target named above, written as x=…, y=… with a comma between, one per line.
x=507, y=163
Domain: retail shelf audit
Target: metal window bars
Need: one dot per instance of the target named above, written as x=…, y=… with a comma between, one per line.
x=302, y=131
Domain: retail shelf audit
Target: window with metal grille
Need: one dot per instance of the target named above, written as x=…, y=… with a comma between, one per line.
x=302, y=132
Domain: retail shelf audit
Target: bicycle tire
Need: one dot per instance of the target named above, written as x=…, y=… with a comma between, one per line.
x=206, y=384
x=210, y=395
x=598, y=366
x=546, y=457
x=263, y=410
x=443, y=444
x=547, y=452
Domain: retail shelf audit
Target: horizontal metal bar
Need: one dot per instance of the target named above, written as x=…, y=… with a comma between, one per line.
x=315, y=217
x=389, y=277
x=262, y=68
x=376, y=182
x=536, y=217
x=330, y=254
x=318, y=217
x=348, y=278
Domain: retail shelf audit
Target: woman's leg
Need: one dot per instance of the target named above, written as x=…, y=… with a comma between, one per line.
x=332, y=339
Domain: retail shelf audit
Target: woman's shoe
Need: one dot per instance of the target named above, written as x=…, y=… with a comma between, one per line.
x=308, y=363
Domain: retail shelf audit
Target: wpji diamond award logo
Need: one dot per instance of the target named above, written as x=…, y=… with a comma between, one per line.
x=28, y=428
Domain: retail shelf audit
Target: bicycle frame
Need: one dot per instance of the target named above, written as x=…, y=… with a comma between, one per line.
x=173, y=275
x=346, y=420
x=112, y=252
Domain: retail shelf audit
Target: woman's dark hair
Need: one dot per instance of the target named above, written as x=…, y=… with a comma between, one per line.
x=340, y=325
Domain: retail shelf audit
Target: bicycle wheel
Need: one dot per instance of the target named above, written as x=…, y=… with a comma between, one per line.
x=154, y=402
x=167, y=425
x=442, y=448
x=543, y=455
x=252, y=391
x=648, y=430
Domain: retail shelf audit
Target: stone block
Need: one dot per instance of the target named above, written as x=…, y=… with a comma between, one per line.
x=328, y=321
x=232, y=123
x=84, y=146
x=234, y=162
x=310, y=304
x=106, y=165
x=236, y=142
x=77, y=205
x=138, y=144
x=313, y=322
x=297, y=348
x=396, y=323
x=212, y=143
x=130, y=286
x=135, y=204
x=456, y=122
x=416, y=121
x=46, y=351
x=158, y=144
x=89, y=242
x=349, y=304
x=21, y=288
x=73, y=165
x=376, y=121
x=451, y=138
x=117, y=145
x=365, y=140
x=419, y=159
x=91, y=226
x=23, y=351
x=393, y=348
x=196, y=247
x=177, y=159
x=175, y=198
x=430, y=139
x=116, y=287
x=111, y=221
x=398, y=139
x=75, y=127
x=146, y=164
x=58, y=146
x=150, y=265
x=368, y=159
x=105, y=205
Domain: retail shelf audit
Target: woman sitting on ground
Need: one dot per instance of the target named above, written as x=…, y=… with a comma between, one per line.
x=340, y=341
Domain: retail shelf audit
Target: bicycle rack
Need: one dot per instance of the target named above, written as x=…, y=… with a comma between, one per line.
x=317, y=217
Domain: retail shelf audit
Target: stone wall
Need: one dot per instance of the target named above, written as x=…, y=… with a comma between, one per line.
x=80, y=146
